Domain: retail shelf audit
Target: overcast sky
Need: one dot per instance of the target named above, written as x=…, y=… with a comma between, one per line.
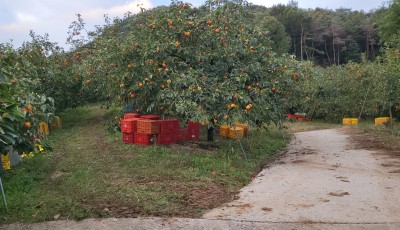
x=18, y=17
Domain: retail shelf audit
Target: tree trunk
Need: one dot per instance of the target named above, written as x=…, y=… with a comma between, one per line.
x=327, y=54
x=301, y=43
x=372, y=50
x=294, y=45
x=313, y=46
x=333, y=47
x=338, y=56
x=210, y=134
x=367, y=51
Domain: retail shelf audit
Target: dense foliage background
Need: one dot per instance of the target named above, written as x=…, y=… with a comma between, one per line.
x=224, y=61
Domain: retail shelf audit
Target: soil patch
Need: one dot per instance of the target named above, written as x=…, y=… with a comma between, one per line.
x=267, y=209
x=340, y=194
x=206, y=197
x=122, y=210
x=298, y=161
x=56, y=175
x=387, y=144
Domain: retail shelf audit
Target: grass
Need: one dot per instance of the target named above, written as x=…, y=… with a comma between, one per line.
x=295, y=127
x=388, y=137
x=90, y=173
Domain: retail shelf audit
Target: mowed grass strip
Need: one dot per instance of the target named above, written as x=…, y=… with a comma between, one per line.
x=91, y=173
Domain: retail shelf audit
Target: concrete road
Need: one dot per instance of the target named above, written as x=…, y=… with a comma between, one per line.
x=322, y=178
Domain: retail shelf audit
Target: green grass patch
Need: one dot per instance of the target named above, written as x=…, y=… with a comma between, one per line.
x=91, y=173
x=384, y=136
x=295, y=126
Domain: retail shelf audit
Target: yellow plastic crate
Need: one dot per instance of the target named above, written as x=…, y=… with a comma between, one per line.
x=56, y=123
x=347, y=121
x=350, y=121
x=44, y=128
x=224, y=130
x=354, y=121
x=235, y=135
x=245, y=129
x=381, y=120
x=5, y=160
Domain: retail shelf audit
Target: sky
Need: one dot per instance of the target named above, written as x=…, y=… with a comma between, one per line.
x=18, y=17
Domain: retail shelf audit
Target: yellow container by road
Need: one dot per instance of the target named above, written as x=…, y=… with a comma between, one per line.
x=245, y=129
x=236, y=134
x=354, y=121
x=224, y=130
x=381, y=120
x=347, y=121
x=350, y=121
x=44, y=128
x=5, y=160
x=56, y=123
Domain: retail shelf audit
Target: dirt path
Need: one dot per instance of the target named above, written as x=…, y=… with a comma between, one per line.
x=324, y=181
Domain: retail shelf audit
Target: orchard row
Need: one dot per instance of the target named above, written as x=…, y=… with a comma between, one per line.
x=210, y=64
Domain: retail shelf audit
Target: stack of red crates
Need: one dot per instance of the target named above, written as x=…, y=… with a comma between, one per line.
x=193, y=131
x=146, y=129
x=128, y=127
x=169, y=132
x=182, y=136
x=150, y=117
x=131, y=115
x=297, y=117
x=141, y=130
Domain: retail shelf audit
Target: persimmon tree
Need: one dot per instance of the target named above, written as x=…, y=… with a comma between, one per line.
x=21, y=106
x=207, y=64
x=366, y=90
x=392, y=76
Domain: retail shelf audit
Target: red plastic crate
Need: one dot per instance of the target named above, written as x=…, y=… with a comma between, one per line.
x=128, y=138
x=182, y=136
x=193, y=125
x=129, y=125
x=131, y=115
x=167, y=138
x=169, y=126
x=144, y=139
x=193, y=133
x=302, y=119
x=150, y=117
x=148, y=126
